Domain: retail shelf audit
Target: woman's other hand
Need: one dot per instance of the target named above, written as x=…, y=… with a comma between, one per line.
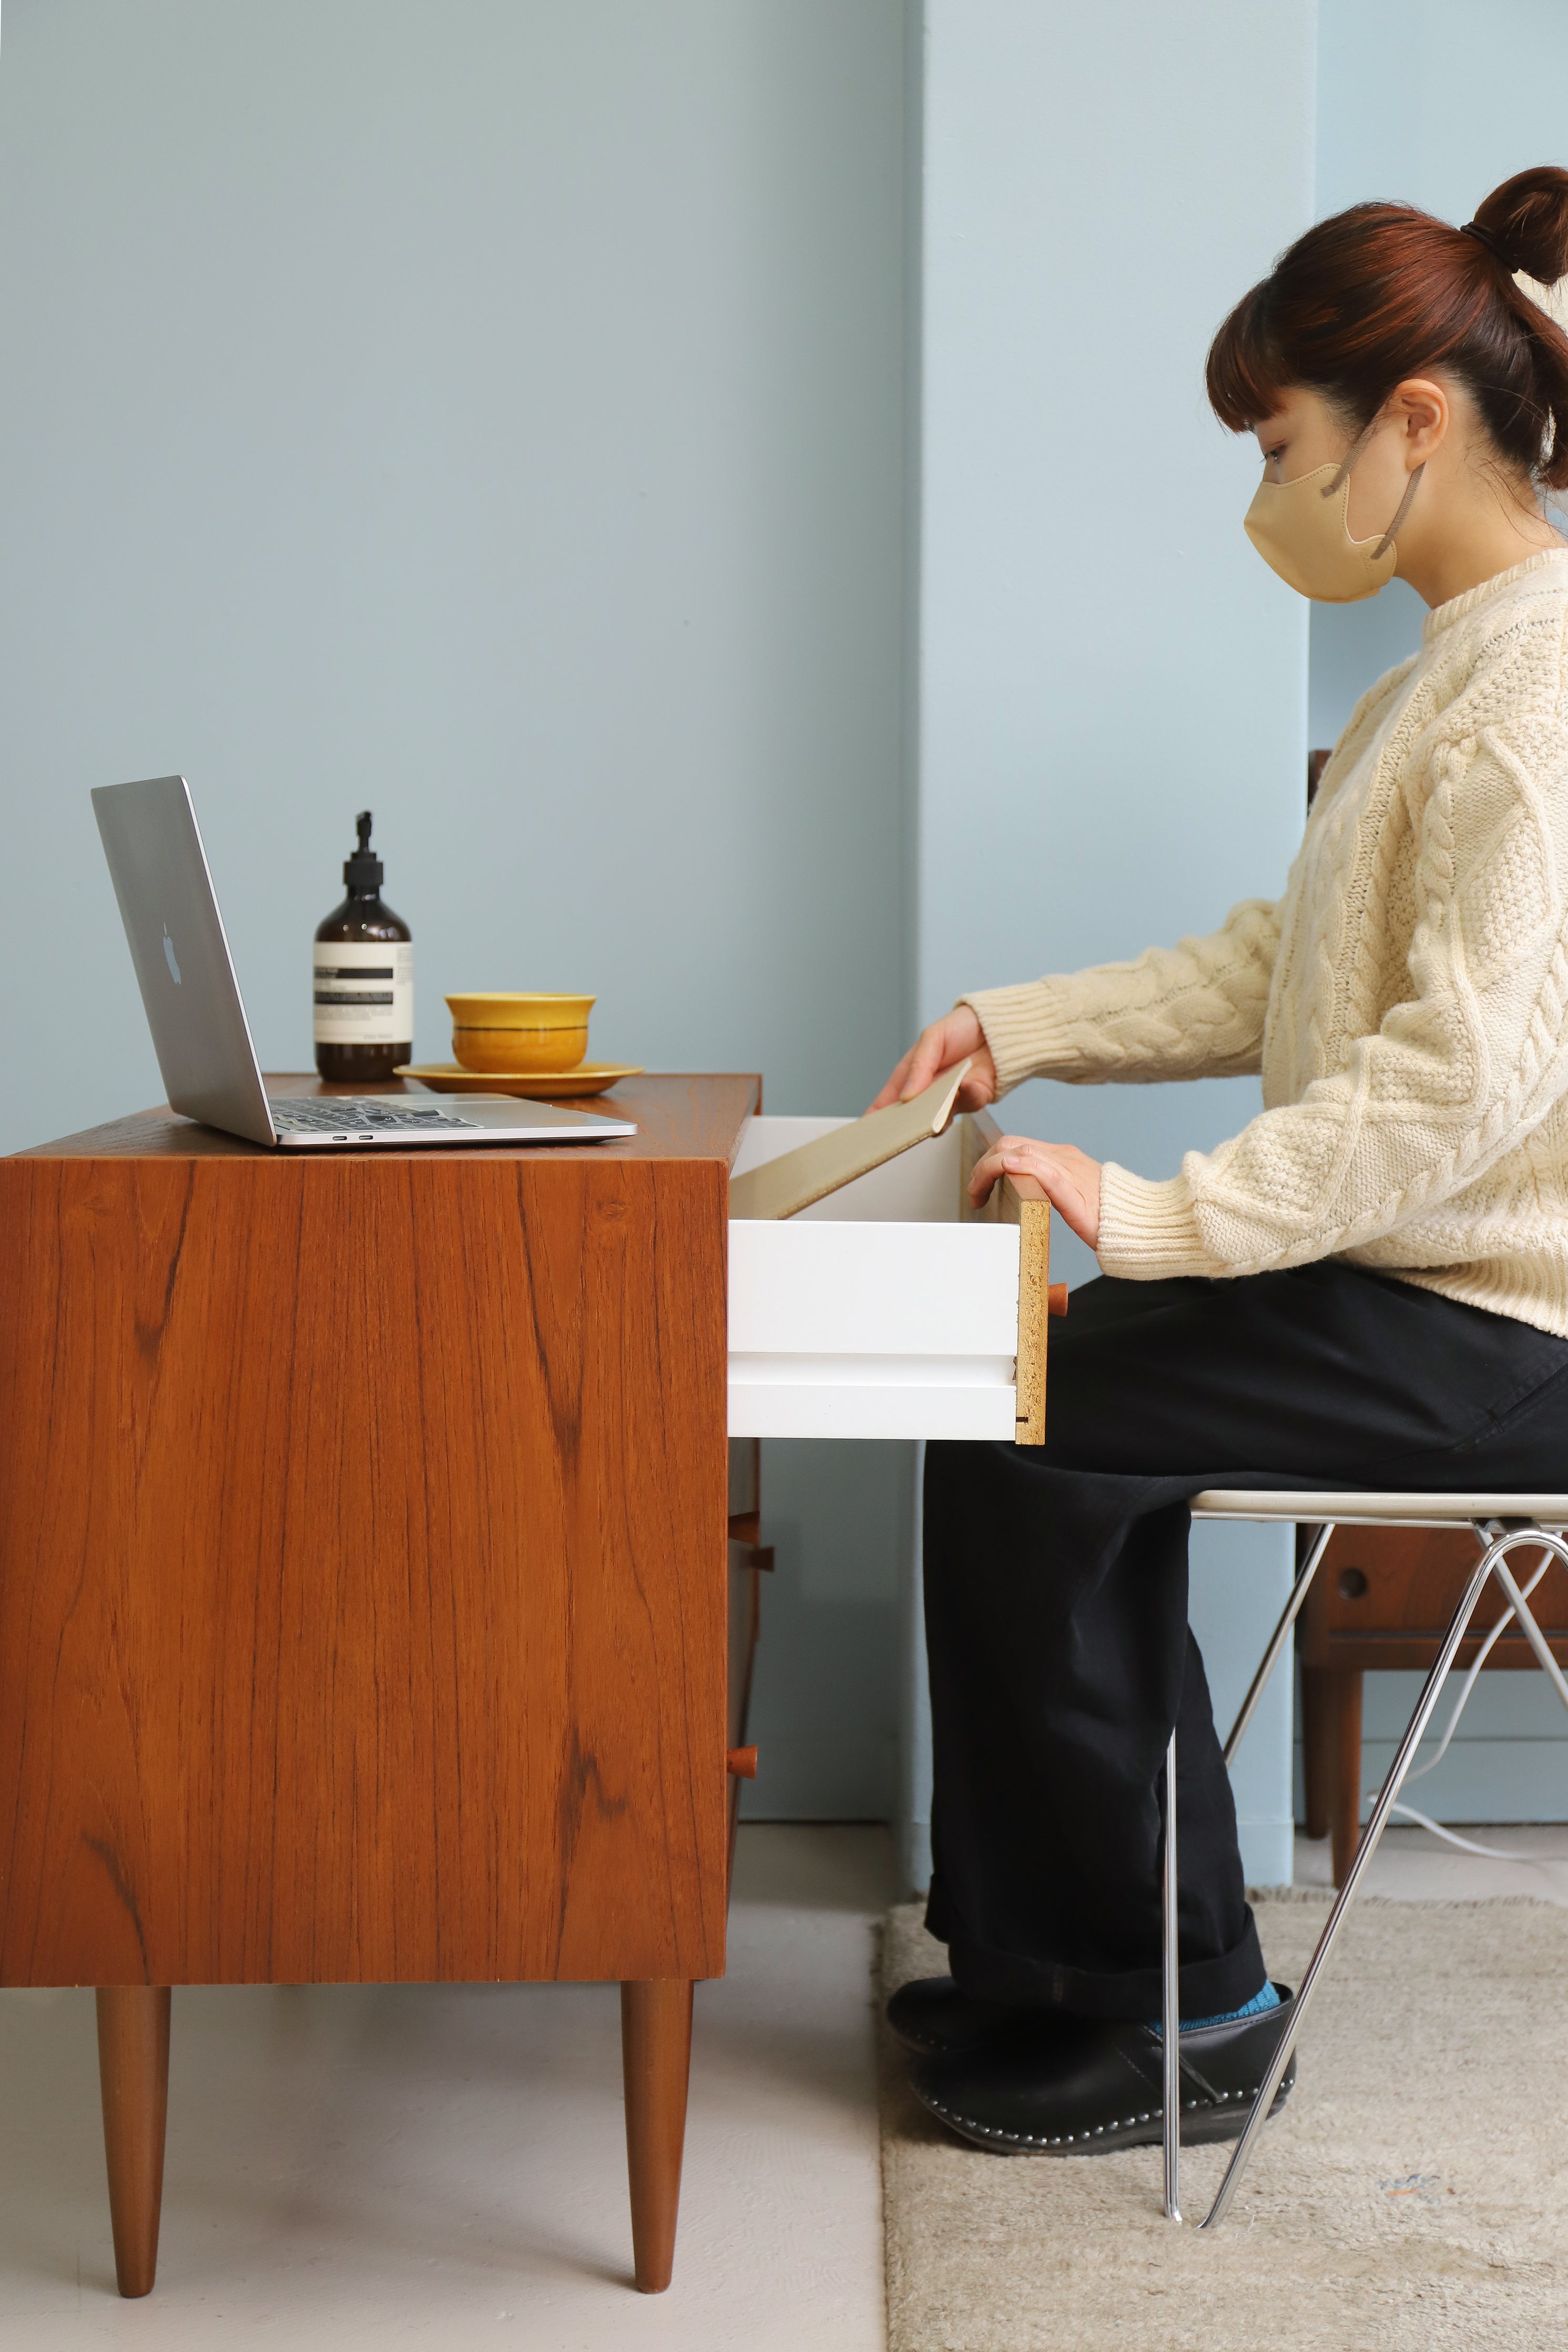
x=1069, y=1178
x=936, y=1049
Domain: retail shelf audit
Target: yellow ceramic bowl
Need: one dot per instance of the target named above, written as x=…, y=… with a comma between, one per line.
x=517, y=1052
x=508, y=1030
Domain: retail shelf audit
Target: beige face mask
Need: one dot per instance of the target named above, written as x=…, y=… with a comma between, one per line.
x=1302, y=529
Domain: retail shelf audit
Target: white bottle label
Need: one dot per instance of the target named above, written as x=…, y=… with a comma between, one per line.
x=365, y=992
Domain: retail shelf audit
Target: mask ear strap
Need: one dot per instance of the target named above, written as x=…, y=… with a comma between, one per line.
x=1387, y=542
x=1351, y=454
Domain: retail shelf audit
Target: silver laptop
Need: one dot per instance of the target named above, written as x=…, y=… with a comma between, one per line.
x=199, y=1030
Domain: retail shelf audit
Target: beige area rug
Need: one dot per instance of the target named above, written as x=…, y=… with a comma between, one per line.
x=1413, y=2195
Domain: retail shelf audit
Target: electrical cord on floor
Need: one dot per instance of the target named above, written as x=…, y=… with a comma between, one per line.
x=1423, y=1820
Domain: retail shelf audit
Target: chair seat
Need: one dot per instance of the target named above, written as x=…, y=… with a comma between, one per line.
x=1368, y=1508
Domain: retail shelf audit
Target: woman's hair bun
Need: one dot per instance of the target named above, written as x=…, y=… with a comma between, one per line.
x=1527, y=221
x=1381, y=292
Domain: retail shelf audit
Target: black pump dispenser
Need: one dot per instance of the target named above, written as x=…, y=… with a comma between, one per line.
x=364, y=977
x=364, y=872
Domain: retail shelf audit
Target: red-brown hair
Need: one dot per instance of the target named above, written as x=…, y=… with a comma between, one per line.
x=1383, y=291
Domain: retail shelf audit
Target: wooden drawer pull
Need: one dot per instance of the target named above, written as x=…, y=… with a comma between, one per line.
x=1056, y=1299
x=742, y=1763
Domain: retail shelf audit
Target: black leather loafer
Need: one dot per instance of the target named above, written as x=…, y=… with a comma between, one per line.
x=1085, y=2093
x=934, y=2014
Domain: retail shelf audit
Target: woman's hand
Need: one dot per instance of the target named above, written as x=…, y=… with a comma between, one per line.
x=936, y=1049
x=1069, y=1178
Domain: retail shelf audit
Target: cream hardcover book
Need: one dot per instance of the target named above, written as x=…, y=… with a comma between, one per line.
x=783, y=1187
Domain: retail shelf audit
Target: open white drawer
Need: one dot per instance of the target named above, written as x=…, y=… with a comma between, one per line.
x=889, y=1309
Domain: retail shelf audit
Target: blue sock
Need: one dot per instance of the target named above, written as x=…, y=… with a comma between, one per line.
x=1259, y=2003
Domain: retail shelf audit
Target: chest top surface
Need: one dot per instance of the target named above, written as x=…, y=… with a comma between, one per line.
x=679, y=1116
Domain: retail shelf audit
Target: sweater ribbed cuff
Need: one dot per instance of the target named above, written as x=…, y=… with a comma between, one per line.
x=1024, y=1030
x=1148, y=1232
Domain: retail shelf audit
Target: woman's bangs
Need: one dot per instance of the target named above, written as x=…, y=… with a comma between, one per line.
x=1244, y=376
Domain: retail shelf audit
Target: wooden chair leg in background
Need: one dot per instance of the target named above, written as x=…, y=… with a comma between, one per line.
x=1331, y=1741
x=133, y=2076
x=1344, y=1766
x=1317, y=1750
x=656, y=2060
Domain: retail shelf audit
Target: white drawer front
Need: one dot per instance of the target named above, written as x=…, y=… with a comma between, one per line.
x=841, y=1330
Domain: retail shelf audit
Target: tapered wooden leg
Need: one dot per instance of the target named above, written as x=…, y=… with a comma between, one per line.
x=1345, y=1749
x=656, y=2060
x=133, y=2075
x=1317, y=1748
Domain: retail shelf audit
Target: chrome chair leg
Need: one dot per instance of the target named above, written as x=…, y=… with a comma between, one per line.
x=1170, y=1999
x=1532, y=1633
x=1291, y=1610
x=1495, y=1553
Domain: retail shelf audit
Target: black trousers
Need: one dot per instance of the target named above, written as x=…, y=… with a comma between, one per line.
x=1056, y=1597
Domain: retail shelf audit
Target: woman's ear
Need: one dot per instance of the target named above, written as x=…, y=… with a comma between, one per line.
x=1425, y=413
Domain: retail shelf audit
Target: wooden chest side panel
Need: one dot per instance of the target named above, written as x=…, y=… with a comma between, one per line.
x=361, y=1570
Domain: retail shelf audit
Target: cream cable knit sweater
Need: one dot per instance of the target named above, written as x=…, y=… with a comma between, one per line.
x=1405, y=1001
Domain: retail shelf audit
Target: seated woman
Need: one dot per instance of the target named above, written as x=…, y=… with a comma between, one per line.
x=1367, y=1286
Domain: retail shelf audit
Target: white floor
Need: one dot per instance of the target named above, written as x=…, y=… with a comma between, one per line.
x=350, y=2169
x=446, y=2167
x=1411, y=1864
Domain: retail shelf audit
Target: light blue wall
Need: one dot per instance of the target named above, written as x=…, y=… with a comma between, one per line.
x=1114, y=689
x=827, y=1703
x=1434, y=111
x=491, y=411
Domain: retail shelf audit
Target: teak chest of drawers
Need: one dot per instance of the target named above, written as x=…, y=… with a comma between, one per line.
x=368, y=1610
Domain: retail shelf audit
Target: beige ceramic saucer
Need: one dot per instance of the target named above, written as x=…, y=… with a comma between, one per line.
x=533, y=1085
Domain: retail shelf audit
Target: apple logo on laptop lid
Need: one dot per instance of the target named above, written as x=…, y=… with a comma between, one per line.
x=169, y=957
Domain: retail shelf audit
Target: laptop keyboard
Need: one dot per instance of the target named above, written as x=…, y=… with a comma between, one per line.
x=365, y=1115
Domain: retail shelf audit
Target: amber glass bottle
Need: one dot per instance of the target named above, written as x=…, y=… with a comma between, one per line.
x=364, y=977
